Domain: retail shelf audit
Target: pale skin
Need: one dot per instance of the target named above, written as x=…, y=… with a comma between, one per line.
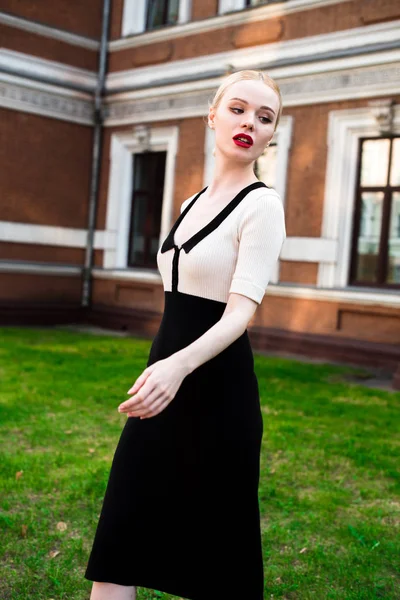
x=158, y=384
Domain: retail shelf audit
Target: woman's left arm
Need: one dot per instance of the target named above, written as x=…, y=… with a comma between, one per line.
x=157, y=385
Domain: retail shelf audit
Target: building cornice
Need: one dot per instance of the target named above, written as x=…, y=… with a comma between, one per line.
x=346, y=84
x=55, y=90
x=47, y=100
x=49, y=32
x=240, y=18
x=47, y=71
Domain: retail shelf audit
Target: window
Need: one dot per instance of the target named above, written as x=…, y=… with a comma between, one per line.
x=161, y=12
x=147, y=199
x=148, y=15
x=140, y=200
x=226, y=6
x=376, y=234
x=265, y=166
x=259, y=2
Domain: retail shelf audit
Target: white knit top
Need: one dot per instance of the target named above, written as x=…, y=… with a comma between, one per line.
x=235, y=252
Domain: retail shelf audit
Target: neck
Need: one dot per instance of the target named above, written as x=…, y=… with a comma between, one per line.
x=230, y=175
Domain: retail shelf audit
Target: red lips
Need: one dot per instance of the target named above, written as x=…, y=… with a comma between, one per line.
x=246, y=137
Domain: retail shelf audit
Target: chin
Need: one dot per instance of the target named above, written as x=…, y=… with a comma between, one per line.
x=240, y=154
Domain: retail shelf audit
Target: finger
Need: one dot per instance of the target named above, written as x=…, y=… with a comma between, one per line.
x=156, y=410
x=157, y=406
x=140, y=402
x=137, y=401
x=144, y=410
x=154, y=403
x=139, y=382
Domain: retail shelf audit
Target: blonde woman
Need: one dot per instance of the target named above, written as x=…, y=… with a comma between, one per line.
x=181, y=512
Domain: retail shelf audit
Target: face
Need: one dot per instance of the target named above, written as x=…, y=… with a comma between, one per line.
x=247, y=107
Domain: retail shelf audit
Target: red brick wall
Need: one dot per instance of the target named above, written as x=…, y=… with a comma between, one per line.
x=45, y=47
x=325, y=19
x=117, y=7
x=298, y=272
x=24, y=287
x=339, y=319
x=42, y=253
x=202, y=9
x=376, y=324
x=46, y=169
x=83, y=18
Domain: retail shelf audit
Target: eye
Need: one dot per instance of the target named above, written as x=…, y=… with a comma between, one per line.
x=267, y=120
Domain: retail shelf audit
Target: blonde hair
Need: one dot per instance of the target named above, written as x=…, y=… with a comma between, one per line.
x=240, y=76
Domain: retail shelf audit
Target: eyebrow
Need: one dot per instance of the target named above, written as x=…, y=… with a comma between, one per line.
x=245, y=102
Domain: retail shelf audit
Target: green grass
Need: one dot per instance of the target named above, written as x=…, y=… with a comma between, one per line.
x=329, y=490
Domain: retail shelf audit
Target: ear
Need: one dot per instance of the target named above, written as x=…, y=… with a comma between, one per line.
x=211, y=117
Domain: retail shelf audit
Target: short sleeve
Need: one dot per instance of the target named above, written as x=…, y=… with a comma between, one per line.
x=261, y=234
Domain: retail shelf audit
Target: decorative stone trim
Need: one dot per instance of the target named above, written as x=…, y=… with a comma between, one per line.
x=48, y=71
x=178, y=102
x=42, y=99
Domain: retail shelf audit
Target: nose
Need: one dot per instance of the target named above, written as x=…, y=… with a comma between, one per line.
x=249, y=125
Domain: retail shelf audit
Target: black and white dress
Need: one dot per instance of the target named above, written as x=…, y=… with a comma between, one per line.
x=180, y=512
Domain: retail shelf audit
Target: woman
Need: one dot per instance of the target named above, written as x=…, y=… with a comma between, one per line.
x=181, y=512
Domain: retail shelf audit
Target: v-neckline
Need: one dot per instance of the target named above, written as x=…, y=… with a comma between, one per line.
x=169, y=242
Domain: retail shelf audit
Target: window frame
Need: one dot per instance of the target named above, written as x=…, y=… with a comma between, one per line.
x=387, y=191
x=345, y=128
x=150, y=209
x=119, y=198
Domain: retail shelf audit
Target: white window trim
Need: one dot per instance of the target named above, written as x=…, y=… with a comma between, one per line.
x=123, y=146
x=134, y=15
x=226, y=6
x=344, y=130
x=283, y=137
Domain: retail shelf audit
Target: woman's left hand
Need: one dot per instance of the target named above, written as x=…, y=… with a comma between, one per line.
x=154, y=389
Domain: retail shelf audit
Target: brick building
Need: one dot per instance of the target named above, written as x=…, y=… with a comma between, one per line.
x=129, y=83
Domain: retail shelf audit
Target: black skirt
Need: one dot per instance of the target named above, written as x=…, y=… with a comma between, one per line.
x=180, y=512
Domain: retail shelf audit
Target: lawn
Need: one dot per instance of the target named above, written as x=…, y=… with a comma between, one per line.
x=329, y=491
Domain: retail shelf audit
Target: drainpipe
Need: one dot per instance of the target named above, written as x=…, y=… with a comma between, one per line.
x=96, y=158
